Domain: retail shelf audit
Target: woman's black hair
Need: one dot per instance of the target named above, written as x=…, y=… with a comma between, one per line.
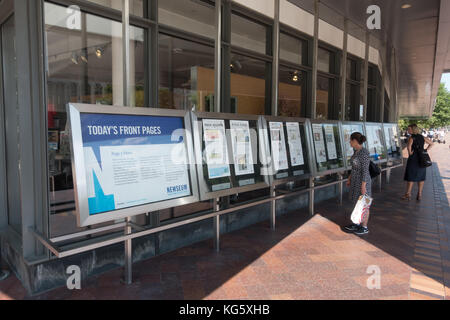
x=358, y=137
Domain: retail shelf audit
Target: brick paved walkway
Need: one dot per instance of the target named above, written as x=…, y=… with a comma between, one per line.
x=304, y=258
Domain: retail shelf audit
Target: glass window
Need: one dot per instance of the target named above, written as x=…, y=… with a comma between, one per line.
x=291, y=49
x=136, y=6
x=324, y=60
x=292, y=93
x=84, y=65
x=248, y=34
x=186, y=74
x=192, y=16
x=324, y=97
x=351, y=70
x=352, y=103
x=248, y=85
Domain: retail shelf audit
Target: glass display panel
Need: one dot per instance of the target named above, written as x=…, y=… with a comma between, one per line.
x=127, y=163
x=327, y=145
x=392, y=140
x=230, y=152
x=375, y=140
x=288, y=147
x=347, y=131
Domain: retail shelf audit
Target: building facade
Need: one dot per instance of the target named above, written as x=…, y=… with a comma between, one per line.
x=261, y=57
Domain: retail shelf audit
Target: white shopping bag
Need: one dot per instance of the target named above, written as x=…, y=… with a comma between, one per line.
x=361, y=209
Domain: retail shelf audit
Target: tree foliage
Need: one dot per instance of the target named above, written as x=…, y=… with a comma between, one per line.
x=441, y=114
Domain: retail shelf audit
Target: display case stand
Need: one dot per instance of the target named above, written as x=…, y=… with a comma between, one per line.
x=217, y=225
x=128, y=276
x=273, y=208
x=311, y=196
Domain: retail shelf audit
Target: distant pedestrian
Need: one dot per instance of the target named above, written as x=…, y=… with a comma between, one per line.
x=359, y=182
x=413, y=172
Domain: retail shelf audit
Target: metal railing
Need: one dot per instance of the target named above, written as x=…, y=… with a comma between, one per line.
x=59, y=252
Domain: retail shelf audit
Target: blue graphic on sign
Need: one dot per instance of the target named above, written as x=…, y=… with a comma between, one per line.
x=101, y=202
x=132, y=175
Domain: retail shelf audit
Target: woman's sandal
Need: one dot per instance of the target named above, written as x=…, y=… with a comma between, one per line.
x=406, y=197
x=419, y=197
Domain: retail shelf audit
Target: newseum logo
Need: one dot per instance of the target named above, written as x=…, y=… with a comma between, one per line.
x=177, y=189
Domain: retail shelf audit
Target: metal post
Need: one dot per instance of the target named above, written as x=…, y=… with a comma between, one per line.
x=218, y=58
x=341, y=188
x=128, y=277
x=380, y=179
x=217, y=225
x=366, y=75
x=388, y=175
x=311, y=197
x=276, y=56
x=344, y=72
x=273, y=208
x=126, y=51
x=315, y=61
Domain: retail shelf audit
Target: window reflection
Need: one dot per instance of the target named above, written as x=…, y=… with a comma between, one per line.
x=292, y=93
x=188, y=15
x=84, y=66
x=248, y=34
x=323, y=60
x=324, y=96
x=186, y=74
x=291, y=49
x=248, y=85
x=137, y=7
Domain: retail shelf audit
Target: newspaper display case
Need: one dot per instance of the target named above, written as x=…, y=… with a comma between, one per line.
x=129, y=161
x=327, y=146
x=348, y=128
x=393, y=144
x=376, y=143
x=229, y=158
x=287, y=142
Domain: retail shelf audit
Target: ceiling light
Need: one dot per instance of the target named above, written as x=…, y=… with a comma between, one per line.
x=74, y=58
x=406, y=6
x=295, y=78
x=99, y=52
x=84, y=58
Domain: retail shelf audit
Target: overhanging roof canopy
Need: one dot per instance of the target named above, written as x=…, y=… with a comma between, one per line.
x=420, y=36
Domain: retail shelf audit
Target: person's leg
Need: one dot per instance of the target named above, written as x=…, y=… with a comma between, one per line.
x=409, y=186
x=419, y=194
x=365, y=222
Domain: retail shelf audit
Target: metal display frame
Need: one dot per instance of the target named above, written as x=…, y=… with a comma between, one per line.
x=393, y=160
x=205, y=193
x=344, y=143
x=265, y=120
x=74, y=110
x=383, y=141
x=318, y=173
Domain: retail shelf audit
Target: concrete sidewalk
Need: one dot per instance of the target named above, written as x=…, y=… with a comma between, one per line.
x=305, y=258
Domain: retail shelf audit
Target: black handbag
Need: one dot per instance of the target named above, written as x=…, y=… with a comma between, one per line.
x=424, y=159
x=374, y=170
x=423, y=156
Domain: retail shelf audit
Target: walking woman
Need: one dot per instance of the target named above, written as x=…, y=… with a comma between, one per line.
x=359, y=182
x=415, y=173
